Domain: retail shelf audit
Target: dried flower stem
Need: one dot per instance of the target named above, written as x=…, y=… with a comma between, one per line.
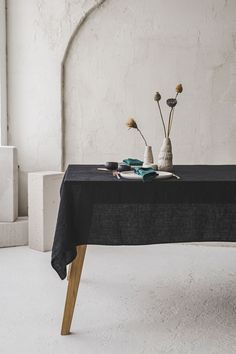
x=171, y=117
x=164, y=127
x=171, y=102
x=169, y=120
x=145, y=141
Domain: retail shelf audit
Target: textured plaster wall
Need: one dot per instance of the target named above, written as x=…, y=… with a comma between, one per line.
x=38, y=32
x=125, y=51
x=3, y=100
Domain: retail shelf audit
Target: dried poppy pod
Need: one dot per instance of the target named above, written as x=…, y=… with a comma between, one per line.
x=171, y=102
x=131, y=123
x=157, y=97
x=179, y=88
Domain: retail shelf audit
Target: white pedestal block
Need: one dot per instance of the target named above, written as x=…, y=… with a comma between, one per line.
x=14, y=233
x=8, y=184
x=43, y=198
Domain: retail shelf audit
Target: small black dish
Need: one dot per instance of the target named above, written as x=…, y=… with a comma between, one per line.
x=123, y=167
x=111, y=165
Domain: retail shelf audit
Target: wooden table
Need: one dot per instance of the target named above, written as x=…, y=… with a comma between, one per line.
x=96, y=208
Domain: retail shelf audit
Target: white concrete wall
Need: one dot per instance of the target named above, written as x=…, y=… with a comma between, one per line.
x=3, y=84
x=124, y=53
x=38, y=32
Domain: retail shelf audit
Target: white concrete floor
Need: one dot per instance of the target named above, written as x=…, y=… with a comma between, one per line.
x=151, y=299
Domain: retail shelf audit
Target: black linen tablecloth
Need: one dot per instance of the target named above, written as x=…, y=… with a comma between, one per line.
x=96, y=208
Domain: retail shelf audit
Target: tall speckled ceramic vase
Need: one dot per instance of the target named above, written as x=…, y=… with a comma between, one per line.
x=165, y=158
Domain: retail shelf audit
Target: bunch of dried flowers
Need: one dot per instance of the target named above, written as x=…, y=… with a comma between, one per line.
x=171, y=102
x=132, y=124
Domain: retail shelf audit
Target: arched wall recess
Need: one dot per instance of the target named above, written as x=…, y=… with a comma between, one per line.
x=63, y=74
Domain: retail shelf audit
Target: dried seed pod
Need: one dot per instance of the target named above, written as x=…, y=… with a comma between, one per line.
x=171, y=102
x=157, y=97
x=179, y=88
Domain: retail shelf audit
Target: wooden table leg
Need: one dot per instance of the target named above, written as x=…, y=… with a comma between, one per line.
x=68, y=272
x=72, y=289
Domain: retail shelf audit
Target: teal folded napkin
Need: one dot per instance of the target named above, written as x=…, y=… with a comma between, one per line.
x=147, y=173
x=133, y=162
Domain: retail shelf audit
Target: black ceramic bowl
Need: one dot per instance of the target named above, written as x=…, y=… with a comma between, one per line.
x=123, y=167
x=111, y=165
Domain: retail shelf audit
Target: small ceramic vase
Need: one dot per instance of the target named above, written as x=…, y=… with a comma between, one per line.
x=165, y=158
x=148, y=156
